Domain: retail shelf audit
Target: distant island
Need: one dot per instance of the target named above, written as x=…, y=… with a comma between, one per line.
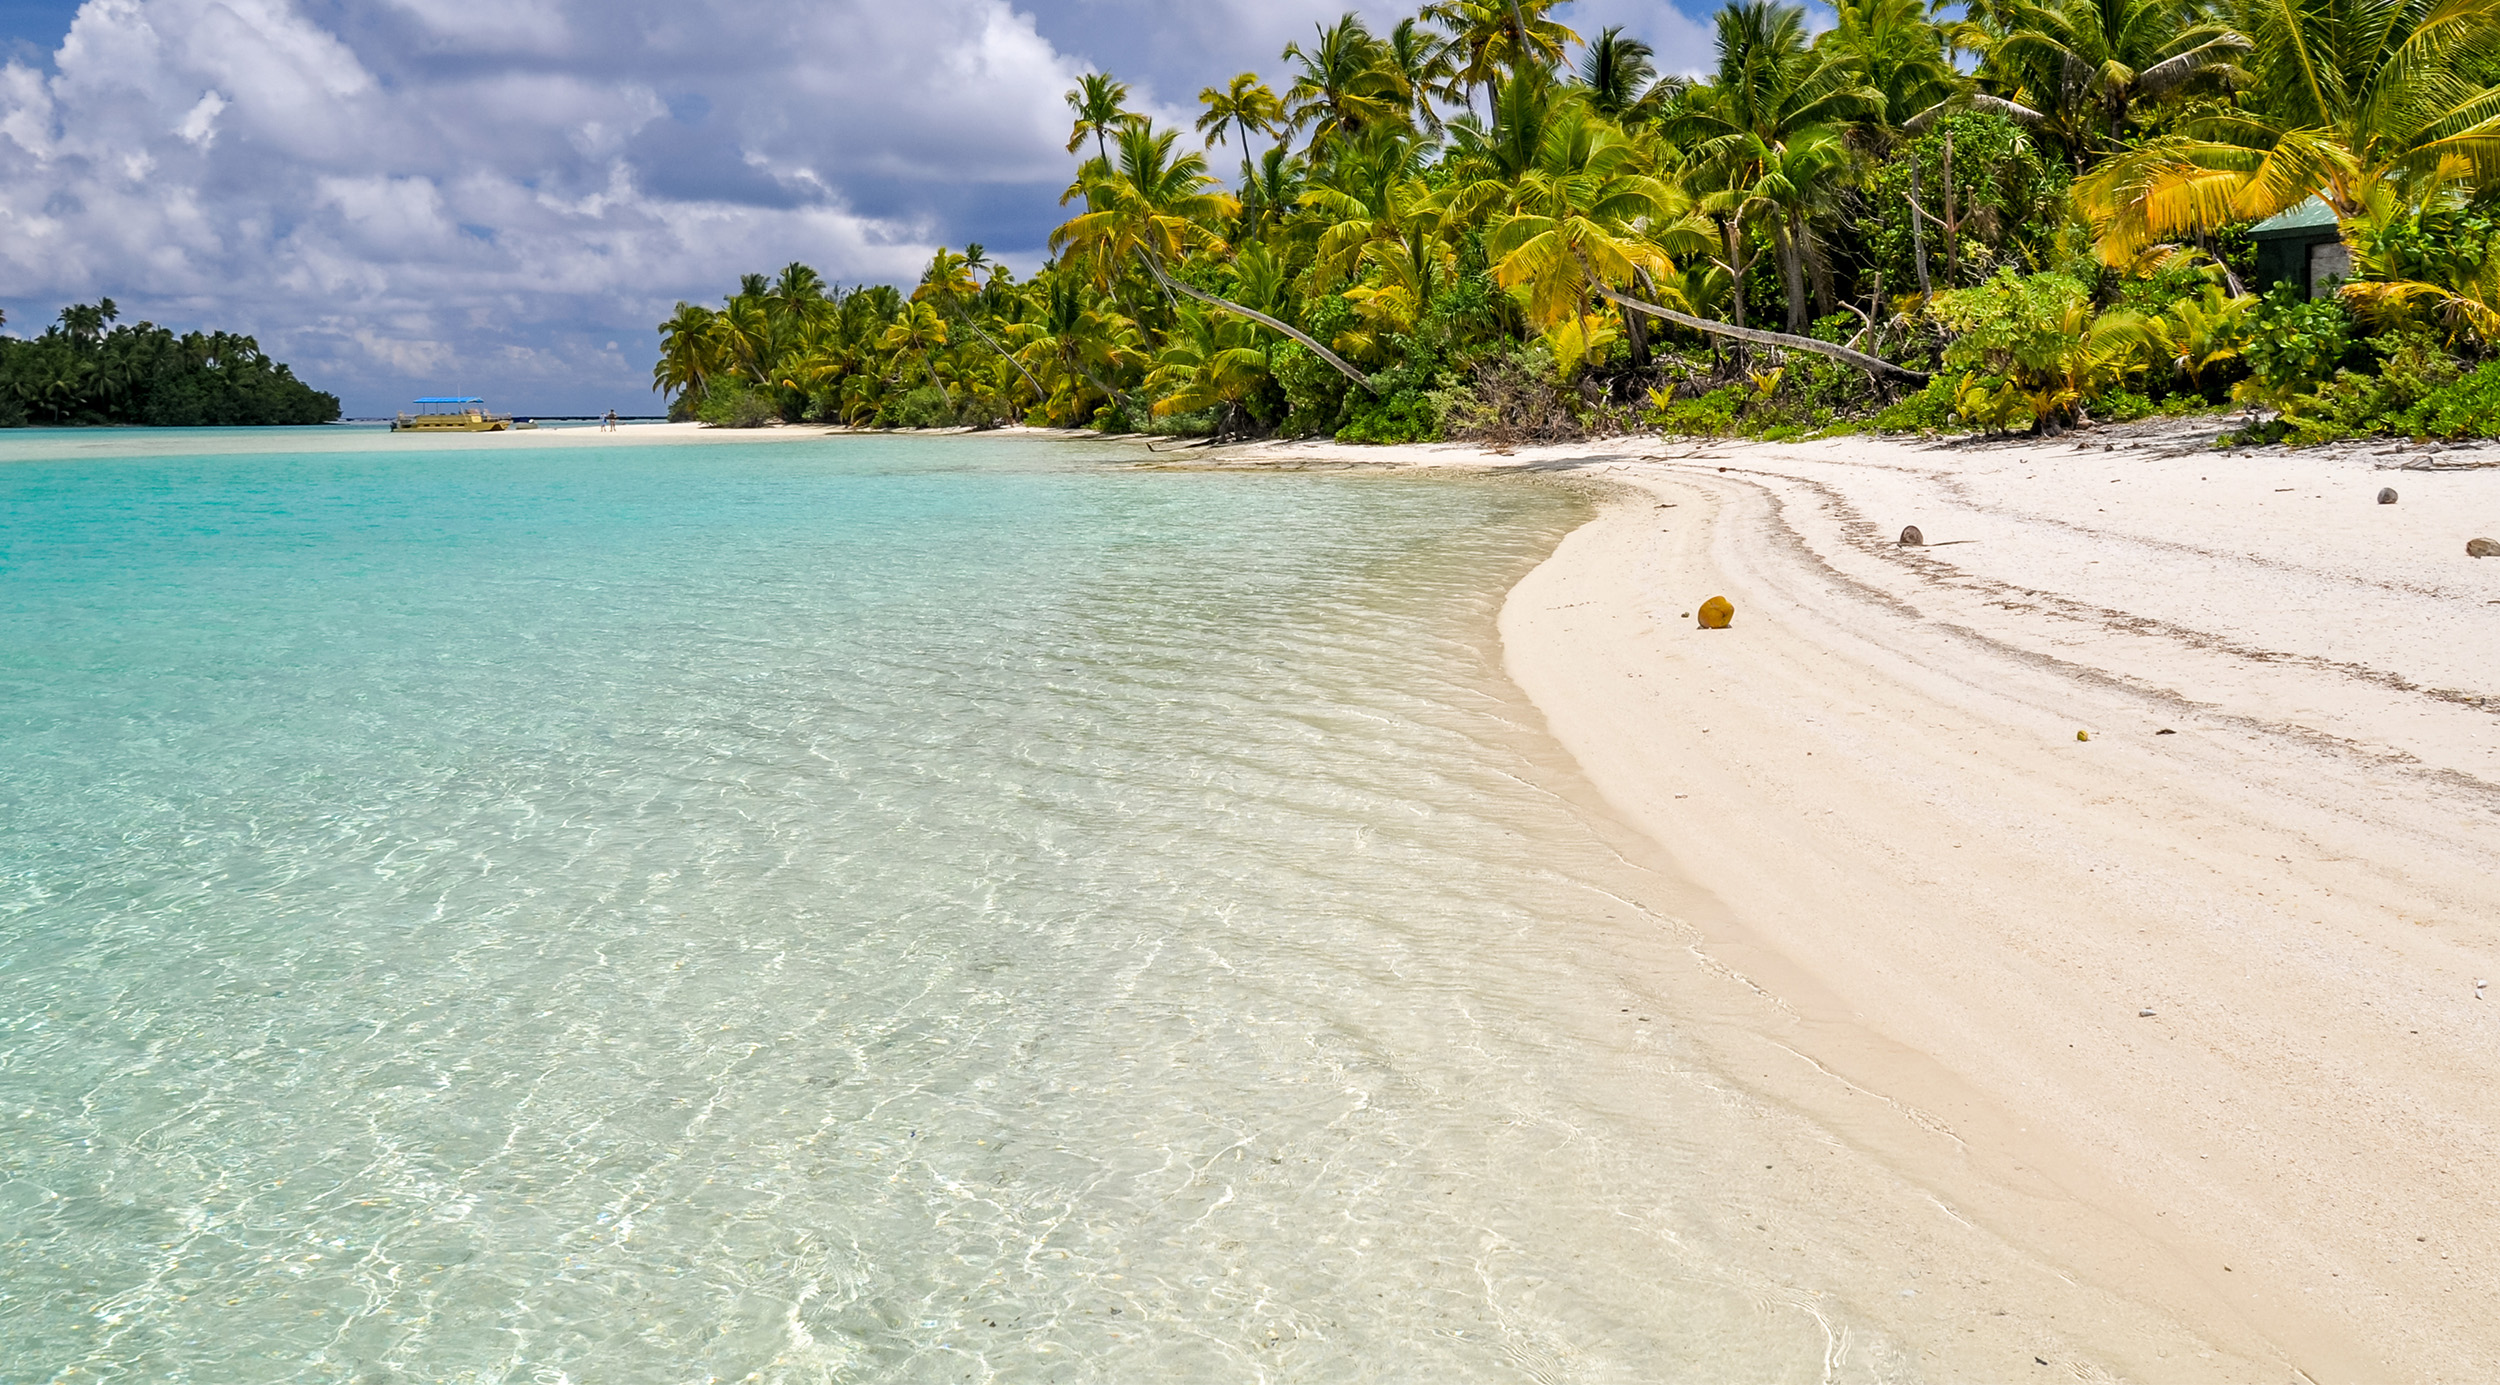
x=86, y=370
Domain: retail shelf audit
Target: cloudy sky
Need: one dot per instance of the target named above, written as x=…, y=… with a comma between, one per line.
x=408, y=197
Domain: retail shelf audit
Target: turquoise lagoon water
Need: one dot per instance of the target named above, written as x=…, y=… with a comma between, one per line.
x=856, y=909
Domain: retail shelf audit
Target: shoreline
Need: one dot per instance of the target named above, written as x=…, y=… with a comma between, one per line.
x=1923, y=913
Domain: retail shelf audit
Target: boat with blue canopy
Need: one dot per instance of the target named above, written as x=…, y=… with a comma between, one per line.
x=455, y=414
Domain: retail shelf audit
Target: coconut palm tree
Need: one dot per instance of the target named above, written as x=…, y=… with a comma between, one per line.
x=2343, y=95
x=1417, y=61
x=1491, y=37
x=919, y=332
x=1368, y=199
x=1101, y=109
x=1153, y=207
x=1763, y=139
x=1209, y=360
x=2086, y=65
x=947, y=282
x=1246, y=107
x=1618, y=72
x=1343, y=86
x=1271, y=191
x=797, y=294
x=742, y=333
x=688, y=356
x=1151, y=203
x=1897, y=49
x=1583, y=216
x=1079, y=343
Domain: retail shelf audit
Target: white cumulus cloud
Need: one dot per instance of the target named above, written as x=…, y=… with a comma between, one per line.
x=405, y=196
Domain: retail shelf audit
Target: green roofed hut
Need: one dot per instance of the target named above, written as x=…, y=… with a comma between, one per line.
x=2302, y=246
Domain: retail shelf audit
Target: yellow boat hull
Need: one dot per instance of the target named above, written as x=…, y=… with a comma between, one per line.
x=449, y=423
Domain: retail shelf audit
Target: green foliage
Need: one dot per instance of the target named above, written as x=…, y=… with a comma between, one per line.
x=2295, y=343
x=924, y=407
x=733, y=403
x=1408, y=415
x=2418, y=390
x=2032, y=350
x=1804, y=395
x=1710, y=415
x=82, y=370
x=2014, y=322
x=1928, y=411
x=1314, y=393
x=2008, y=203
x=2066, y=289
x=2126, y=406
x=2465, y=407
x=2441, y=242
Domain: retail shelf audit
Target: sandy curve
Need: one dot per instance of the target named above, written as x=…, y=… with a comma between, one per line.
x=1957, y=912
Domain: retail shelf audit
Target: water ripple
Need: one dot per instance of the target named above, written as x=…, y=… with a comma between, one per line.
x=880, y=910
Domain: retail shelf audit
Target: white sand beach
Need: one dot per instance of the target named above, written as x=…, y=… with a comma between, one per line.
x=2185, y=1016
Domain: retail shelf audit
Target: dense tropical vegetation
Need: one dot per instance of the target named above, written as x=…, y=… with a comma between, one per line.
x=86, y=369
x=2031, y=214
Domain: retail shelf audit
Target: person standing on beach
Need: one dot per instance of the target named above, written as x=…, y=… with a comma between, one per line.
x=608, y=425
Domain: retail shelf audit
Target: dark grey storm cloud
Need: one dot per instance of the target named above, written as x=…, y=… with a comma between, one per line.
x=505, y=195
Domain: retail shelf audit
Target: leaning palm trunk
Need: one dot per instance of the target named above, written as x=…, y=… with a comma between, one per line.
x=1127, y=405
x=965, y=318
x=1172, y=285
x=1872, y=365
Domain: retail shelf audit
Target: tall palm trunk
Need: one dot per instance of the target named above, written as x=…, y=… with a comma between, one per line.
x=1918, y=237
x=1733, y=233
x=1792, y=272
x=1737, y=264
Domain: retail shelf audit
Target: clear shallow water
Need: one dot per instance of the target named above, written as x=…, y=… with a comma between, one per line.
x=865, y=909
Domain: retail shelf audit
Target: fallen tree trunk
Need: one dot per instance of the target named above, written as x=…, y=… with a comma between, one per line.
x=1872, y=365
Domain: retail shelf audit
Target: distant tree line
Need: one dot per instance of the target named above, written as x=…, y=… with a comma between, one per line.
x=86, y=370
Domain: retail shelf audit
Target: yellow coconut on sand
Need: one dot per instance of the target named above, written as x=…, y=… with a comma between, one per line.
x=1716, y=613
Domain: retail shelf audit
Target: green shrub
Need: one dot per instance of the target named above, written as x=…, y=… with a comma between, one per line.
x=2467, y=407
x=2124, y=406
x=732, y=403
x=1928, y=411
x=1315, y=394
x=2295, y=343
x=1711, y=415
x=1407, y=415
x=925, y=407
x=1197, y=424
x=2418, y=391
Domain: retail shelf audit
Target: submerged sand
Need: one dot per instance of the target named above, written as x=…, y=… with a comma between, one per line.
x=2176, y=1027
